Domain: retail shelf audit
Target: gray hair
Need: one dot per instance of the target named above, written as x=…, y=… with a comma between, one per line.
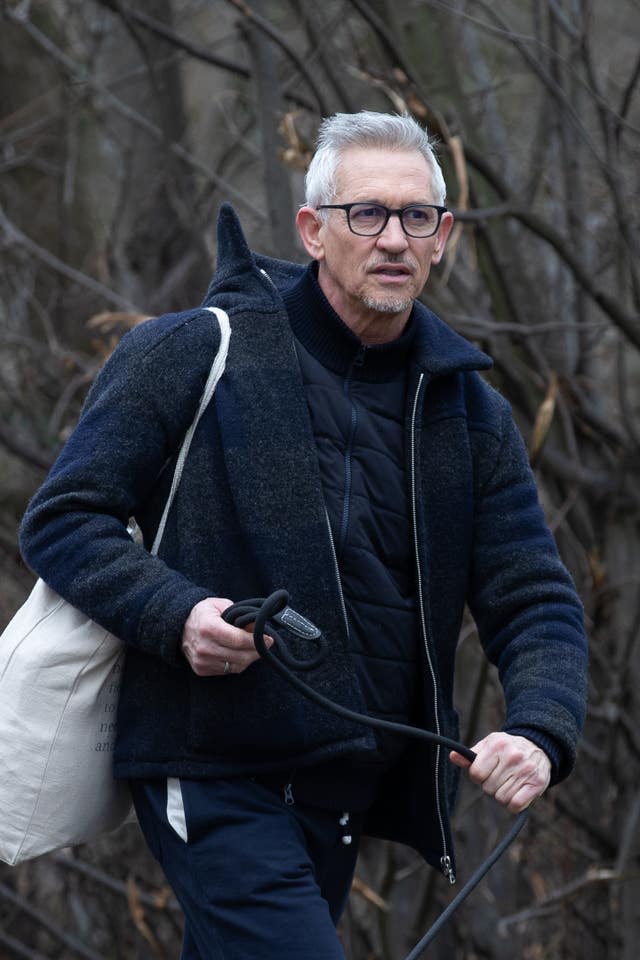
x=365, y=129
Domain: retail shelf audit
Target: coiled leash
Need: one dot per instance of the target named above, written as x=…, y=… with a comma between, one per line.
x=276, y=609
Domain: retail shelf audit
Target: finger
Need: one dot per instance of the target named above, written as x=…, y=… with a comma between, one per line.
x=524, y=797
x=459, y=760
x=484, y=767
x=241, y=658
x=521, y=785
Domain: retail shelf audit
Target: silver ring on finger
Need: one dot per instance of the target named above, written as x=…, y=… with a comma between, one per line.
x=227, y=668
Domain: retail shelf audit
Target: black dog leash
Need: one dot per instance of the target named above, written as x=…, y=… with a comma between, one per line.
x=276, y=609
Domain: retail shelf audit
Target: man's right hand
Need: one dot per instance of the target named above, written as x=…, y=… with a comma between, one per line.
x=214, y=647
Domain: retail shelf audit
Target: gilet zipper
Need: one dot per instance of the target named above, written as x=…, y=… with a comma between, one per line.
x=445, y=860
x=337, y=573
x=357, y=361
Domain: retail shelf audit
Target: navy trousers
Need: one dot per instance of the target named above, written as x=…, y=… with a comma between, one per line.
x=258, y=878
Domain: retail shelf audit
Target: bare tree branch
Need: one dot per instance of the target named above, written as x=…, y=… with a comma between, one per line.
x=14, y=236
x=627, y=96
x=105, y=880
x=19, y=449
x=81, y=75
x=18, y=949
x=319, y=38
x=593, y=875
x=627, y=323
x=378, y=26
x=277, y=38
x=268, y=108
x=194, y=50
x=71, y=942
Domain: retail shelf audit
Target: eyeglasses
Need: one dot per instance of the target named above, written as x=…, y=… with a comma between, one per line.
x=370, y=219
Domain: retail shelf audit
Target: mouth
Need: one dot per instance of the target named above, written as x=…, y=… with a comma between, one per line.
x=391, y=272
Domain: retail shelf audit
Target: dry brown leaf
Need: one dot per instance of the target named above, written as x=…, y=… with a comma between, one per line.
x=359, y=886
x=417, y=107
x=544, y=419
x=297, y=153
x=161, y=897
x=138, y=915
x=539, y=887
x=597, y=568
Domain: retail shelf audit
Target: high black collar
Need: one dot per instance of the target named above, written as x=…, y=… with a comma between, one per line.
x=325, y=335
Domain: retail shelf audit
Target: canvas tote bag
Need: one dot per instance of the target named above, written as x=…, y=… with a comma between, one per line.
x=59, y=684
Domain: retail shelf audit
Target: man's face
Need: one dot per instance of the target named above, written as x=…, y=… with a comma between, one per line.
x=372, y=282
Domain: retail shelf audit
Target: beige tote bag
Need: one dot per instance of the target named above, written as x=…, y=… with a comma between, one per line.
x=59, y=684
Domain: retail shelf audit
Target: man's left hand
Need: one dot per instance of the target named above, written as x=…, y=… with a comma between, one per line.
x=512, y=769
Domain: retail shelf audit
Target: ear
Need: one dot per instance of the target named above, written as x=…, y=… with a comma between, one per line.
x=309, y=227
x=442, y=236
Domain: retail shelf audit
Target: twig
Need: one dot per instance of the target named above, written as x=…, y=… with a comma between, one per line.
x=116, y=886
x=476, y=326
x=194, y=50
x=622, y=381
x=628, y=835
x=18, y=949
x=481, y=214
x=627, y=96
x=542, y=908
x=62, y=403
x=627, y=323
x=368, y=893
x=71, y=942
x=81, y=76
x=319, y=37
x=21, y=450
x=397, y=56
x=13, y=235
x=269, y=108
x=277, y=38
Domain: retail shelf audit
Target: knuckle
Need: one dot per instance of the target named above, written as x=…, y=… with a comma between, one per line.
x=238, y=641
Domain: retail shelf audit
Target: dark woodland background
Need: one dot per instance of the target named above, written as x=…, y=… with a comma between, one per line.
x=123, y=127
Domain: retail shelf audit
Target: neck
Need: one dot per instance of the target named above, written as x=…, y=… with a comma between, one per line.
x=369, y=324
x=320, y=330
x=372, y=326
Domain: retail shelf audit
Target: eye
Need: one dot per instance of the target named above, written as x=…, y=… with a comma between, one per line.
x=419, y=215
x=367, y=213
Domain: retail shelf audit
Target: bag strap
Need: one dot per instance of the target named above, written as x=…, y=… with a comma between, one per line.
x=217, y=369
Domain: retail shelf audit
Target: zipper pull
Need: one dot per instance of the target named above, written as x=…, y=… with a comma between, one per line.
x=447, y=869
x=288, y=794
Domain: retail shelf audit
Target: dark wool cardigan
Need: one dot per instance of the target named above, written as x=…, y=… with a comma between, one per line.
x=249, y=517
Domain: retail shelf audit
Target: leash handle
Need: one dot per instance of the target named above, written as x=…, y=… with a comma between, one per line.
x=260, y=611
x=274, y=608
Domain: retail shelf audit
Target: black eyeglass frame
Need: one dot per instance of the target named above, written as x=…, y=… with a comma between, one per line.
x=347, y=207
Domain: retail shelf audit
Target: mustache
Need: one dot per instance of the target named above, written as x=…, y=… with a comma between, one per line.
x=400, y=260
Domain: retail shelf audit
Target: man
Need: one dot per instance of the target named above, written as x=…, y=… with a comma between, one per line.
x=353, y=455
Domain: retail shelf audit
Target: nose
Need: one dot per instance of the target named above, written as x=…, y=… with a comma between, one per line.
x=393, y=236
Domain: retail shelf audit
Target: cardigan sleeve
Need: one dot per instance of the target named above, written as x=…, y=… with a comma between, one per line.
x=74, y=533
x=524, y=602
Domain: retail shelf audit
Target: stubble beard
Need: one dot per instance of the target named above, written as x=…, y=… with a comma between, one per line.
x=387, y=306
x=390, y=304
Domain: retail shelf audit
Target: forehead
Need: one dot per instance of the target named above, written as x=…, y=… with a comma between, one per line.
x=390, y=176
